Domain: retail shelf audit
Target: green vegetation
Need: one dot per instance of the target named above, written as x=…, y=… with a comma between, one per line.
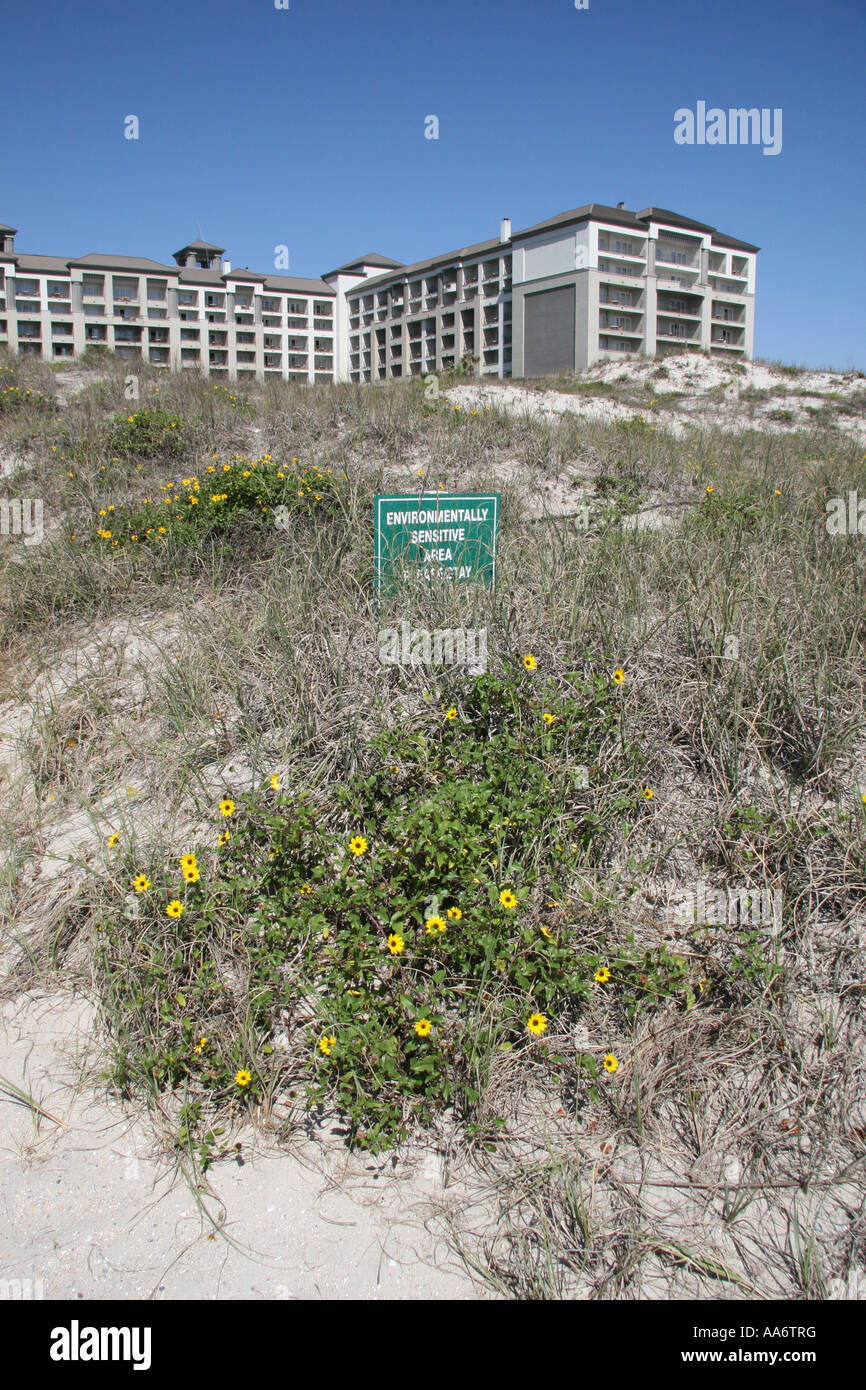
x=309, y=891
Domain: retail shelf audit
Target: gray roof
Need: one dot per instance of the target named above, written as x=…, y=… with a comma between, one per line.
x=289, y=283
x=4, y=228
x=102, y=260
x=200, y=246
x=42, y=263
x=194, y=275
x=244, y=273
x=674, y=219
x=372, y=258
x=720, y=240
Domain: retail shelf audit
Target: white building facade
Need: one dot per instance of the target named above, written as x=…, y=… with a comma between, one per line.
x=587, y=285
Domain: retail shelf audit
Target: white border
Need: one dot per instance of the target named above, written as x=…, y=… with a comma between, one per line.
x=443, y=497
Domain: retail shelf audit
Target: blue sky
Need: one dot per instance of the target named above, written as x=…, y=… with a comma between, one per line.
x=305, y=127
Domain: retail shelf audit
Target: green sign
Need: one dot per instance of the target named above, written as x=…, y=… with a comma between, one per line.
x=437, y=535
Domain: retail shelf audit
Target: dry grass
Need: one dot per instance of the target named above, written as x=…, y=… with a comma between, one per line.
x=724, y=1159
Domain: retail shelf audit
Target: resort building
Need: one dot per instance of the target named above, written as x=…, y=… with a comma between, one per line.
x=594, y=283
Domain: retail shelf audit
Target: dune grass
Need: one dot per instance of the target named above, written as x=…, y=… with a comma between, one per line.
x=436, y=907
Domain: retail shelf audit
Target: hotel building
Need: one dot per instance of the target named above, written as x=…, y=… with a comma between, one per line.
x=591, y=284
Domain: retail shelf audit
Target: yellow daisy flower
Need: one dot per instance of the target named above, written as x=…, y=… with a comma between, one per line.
x=537, y=1024
x=422, y=1027
x=141, y=883
x=174, y=908
x=276, y=782
x=602, y=975
x=395, y=944
x=610, y=1063
x=113, y=839
x=243, y=1077
x=618, y=676
x=507, y=898
x=549, y=718
x=529, y=662
x=451, y=713
x=455, y=914
x=327, y=1043
x=358, y=845
x=227, y=807
x=434, y=925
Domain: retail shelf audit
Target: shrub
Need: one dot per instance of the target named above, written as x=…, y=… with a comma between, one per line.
x=146, y=434
x=405, y=932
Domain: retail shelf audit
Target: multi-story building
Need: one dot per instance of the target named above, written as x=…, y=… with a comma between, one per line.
x=198, y=313
x=594, y=283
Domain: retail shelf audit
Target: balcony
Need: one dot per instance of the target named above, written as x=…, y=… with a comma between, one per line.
x=676, y=332
x=734, y=288
x=634, y=257
x=731, y=337
x=628, y=325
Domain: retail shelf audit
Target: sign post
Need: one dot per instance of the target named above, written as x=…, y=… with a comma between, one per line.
x=437, y=535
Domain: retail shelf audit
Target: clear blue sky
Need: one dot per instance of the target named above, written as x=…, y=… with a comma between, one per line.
x=305, y=127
